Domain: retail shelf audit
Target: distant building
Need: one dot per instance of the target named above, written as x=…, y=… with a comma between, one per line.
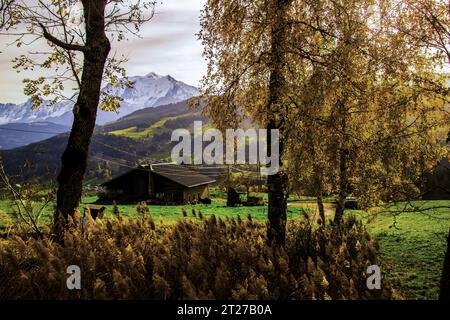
x=437, y=183
x=159, y=183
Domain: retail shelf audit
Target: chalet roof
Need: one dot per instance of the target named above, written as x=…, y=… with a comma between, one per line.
x=180, y=174
x=177, y=173
x=120, y=176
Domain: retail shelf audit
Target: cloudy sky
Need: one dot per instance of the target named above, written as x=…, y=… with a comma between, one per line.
x=169, y=46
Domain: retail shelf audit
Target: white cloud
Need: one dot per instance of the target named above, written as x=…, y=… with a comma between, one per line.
x=168, y=45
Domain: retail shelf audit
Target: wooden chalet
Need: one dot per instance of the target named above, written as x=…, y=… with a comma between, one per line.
x=158, y=183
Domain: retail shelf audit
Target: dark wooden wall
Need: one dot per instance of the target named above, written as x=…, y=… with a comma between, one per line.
x=139, y=185
x=133, y=185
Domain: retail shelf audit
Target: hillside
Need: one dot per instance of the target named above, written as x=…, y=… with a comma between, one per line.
x=139, y=121
x=14, y=135
x=41, y=161
x=144, y=134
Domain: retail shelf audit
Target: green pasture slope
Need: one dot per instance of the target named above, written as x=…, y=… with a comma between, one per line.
x=412, y=247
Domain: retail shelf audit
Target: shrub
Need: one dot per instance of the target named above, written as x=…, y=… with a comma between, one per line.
x=192, y=259
x=142, y=209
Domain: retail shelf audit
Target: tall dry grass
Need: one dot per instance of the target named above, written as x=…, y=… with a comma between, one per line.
x=205, y=258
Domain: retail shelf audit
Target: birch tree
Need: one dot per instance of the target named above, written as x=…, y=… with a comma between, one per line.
x=79, y=35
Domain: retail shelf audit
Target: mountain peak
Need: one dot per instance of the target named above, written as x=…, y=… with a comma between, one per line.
x=151, y=90
x=156, y=76
x=170, y=78
x=153, y=75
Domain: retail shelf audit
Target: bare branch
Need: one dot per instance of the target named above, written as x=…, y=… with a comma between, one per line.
x=62, y=44
x=5, y=17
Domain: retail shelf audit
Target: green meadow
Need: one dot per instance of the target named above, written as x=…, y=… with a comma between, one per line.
x=412, y=245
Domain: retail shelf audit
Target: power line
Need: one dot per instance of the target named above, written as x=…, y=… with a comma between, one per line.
x=114, y=148
x=31, y=131
x=136, y=167
x=120, y=163
x=136, y=156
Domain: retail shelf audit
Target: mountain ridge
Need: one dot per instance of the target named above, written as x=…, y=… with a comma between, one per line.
x=151, y=90
x=18, y=134
x=108, y=151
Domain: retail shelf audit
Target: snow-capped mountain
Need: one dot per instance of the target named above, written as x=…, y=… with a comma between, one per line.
x=151, y=90
x=13, y=113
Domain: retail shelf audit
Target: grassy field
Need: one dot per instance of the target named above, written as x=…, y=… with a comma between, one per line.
x=412, y=245
x=146, y=133
x=171, y=213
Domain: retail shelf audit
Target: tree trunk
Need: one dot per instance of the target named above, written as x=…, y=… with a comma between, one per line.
x=343, y=157
x=278, y=193
x=342, y=187
x=318, y=180
x=277, y=184
x=444, y=292
x=317, y=171
x=320, y=206
x=74, y=158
